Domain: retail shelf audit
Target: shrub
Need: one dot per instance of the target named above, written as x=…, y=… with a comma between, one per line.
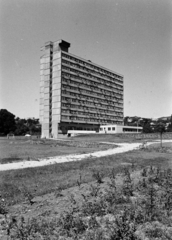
x=71, y=225
x=98, y=176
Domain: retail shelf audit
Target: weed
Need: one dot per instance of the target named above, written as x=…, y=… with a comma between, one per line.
x=127, y=184
x=144, y=184
x=79, y=181
x=58, y=192
x=94, y=234
x=151, y=170
x=167, y=195
x=123, y=229
x=72, y=199
x=144, y=172
x=71, y=225
x=113, y=174
x=132, y=167
x=94, y=190
x=28, y=195
x=92, y=222
x=111, y=195
x=98, y=176
x=92, y=207
x=3, y=206
x=31, y=229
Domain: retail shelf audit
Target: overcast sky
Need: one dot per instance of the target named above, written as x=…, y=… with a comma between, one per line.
x=131, y=37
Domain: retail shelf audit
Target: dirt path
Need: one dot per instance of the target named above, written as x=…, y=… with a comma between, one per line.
x=122, y=147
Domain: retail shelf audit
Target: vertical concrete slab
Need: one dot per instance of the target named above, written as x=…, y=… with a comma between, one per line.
x=56, y=91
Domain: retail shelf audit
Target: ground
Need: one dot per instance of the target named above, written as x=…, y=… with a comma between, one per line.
x=49, y=190
x=18, y=149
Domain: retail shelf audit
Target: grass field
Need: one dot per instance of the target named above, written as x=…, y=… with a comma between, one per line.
x=18, y=149
x=22, y=148
x=49, y=191
x=42, y=180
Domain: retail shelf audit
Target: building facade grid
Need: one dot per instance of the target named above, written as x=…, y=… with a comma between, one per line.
x=76, y=93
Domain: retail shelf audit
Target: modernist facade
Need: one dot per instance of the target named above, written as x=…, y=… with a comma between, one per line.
x=76, y=94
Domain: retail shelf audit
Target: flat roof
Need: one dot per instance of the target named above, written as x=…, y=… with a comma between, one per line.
x=116, y=125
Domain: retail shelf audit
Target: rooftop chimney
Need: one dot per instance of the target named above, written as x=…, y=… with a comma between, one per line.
x=61, y=45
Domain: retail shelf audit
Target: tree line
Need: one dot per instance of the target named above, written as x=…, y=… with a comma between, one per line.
x=149, y=125
x=10, y=124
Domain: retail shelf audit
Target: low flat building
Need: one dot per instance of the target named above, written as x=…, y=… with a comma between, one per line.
x=76, y=94
x=119, y=129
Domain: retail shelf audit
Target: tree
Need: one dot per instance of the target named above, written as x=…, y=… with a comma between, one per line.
x=147, y=128
x=169, y=129
x=160, y=127
x=126, y=121
x=33, y=125
x=30, y=125
x=7, y=122
x=21, y=127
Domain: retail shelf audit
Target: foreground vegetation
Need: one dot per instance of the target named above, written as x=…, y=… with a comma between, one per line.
x=129, y=205
x=126, y=196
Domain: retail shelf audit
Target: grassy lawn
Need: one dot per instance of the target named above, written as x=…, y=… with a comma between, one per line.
x=23, y=148
x=13, y=150
x=42, y=180
x=117, y=138
x=18, y=149
x=55, y=188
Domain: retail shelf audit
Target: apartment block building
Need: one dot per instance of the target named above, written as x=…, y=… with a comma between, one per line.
x=76, y=94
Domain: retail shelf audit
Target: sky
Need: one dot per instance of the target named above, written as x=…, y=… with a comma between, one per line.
x=131, y=37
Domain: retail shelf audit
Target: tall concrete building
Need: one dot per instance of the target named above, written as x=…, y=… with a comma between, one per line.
x=76, y=94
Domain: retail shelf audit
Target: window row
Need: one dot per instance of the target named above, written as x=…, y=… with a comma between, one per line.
x=90, y=75
x=91, y=82
x=86, y=64
x=84, y=85
x=111, y=104
x=85, y=69
x=83, y=111
x=82, y=93
x=87, y=119
x=91, y=113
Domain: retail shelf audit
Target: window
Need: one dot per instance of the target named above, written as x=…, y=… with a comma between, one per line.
x=109, y=128
x=113, y=128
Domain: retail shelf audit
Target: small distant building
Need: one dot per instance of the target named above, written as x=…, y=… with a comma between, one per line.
x=76, y=94
x=119, y=129
x=107, y=129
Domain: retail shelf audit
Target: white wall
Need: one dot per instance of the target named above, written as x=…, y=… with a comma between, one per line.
x=118, y=129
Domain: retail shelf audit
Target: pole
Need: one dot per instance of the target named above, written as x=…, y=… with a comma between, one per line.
x=161, y=138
